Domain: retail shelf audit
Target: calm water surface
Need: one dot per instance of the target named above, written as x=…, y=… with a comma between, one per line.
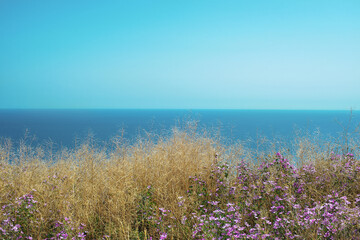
x=64, y=126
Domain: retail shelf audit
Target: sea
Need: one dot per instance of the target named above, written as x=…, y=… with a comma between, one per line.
x=68, y=127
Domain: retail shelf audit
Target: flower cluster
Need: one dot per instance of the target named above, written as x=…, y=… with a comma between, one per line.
x=21, y=217
x=275, y=200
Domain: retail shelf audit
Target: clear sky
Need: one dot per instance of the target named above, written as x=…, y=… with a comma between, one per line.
x=243, y=54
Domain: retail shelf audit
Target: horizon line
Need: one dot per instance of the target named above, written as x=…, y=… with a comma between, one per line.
x=186, y=109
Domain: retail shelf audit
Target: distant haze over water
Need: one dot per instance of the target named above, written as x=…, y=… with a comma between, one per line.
x=64, y=126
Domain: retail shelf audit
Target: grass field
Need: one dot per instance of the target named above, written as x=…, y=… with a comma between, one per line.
x=186, y=186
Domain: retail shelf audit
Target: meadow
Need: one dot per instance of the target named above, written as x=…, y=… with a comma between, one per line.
x=184, y=186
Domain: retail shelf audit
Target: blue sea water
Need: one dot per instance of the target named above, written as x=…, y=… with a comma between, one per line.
x=63, y=127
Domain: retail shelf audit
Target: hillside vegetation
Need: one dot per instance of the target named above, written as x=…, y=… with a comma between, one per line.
x=187, y=186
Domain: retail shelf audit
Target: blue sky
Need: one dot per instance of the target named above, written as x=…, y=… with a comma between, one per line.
x=243, y=54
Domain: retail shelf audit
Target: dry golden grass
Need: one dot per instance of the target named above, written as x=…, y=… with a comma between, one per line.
x=102, y=188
